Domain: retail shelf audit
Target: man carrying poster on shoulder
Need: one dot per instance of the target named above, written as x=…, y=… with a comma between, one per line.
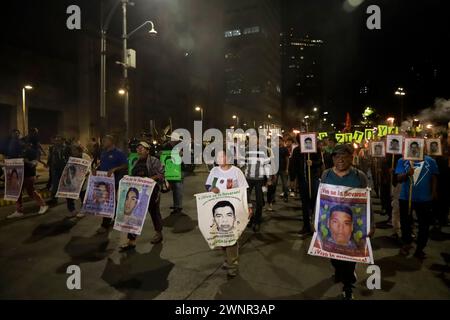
x=343, y=174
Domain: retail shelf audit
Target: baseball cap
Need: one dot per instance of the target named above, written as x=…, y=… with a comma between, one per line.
x=342, y=149
x=144, y=144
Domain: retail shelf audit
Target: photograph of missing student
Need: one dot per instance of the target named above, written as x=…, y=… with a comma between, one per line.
x=222, y=217
x=394, y=144
x=414, y=149
x=14, y=170
x=100, y=196
x=342, y=223
x=308, y=142
x=132, y=204
x=72, y=178
x=377, y=149
x=434, y=147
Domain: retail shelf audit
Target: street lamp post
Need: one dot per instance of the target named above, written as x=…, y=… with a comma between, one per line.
x=24, y=110
x=237, y=120
x=124, y=91
x=401, y=94
x=200, y=109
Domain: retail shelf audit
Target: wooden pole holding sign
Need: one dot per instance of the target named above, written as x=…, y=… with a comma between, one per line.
x=309, y=176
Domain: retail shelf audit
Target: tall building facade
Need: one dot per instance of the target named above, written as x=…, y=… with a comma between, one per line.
x=252, y=63
x=302, y=74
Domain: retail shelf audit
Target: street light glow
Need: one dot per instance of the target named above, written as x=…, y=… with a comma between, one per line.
x=121, y=92
x=234, y=116
x=28, y=87
x=198, y=109
x=315, y=109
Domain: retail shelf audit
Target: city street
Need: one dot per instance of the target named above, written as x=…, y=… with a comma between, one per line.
x=35, y=252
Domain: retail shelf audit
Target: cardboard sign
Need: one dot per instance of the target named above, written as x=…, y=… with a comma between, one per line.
x=382, y=131
x=369, y=134
x=358, y=136
x=322, y=135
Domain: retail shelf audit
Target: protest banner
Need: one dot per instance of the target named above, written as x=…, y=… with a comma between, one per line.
x=322, y=135
x=340, y=137
x=222, y=217
x=132, y=204
x=348, y=137
x=14, y=175
x=72, y=178
x=342, y=223
x=392, y=130
x=172, y=165
x=369, y=134
x=100, y=198
x=358, y=136
x=382, y=130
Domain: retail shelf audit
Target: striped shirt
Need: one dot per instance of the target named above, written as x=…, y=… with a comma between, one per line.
x=257, y=165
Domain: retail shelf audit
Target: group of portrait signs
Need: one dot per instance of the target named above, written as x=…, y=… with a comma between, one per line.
x=409, y=148
x=412, y=149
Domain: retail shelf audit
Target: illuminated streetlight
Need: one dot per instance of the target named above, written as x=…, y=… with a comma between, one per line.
x=199, y=109
x=235, y=117
x=121, y=92
x=24, y=109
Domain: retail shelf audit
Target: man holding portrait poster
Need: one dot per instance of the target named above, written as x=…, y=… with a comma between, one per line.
x=342, y=221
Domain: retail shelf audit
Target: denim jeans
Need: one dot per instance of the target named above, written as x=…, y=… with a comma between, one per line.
x=177, y=193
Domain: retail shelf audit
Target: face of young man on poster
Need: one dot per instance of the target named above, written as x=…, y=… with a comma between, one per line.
x=394, y=145
x=224, y=218
x=434, y=147
x=414, y=150
x=378, y=150
x=308, y=144
x=131, y=202
x=101, y=194
x=341, y=227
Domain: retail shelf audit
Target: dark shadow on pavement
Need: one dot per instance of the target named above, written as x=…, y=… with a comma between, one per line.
x=180, y=222
x=51, y=229
x=83, y=249
x=139, y=276
x=439, y=235
x=238, y=289
x=384, y=242
x=184, y=224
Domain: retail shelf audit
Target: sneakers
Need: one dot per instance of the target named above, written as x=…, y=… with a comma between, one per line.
x=43, y=209
x=16, y=214
x=225, y=266
x=347, y=295
x=127, y=247
x=157, y=238
x=80, y=215
x=270, y=208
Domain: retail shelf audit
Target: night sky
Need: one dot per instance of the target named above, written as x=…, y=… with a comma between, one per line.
x=412, y=43
x=414, y=34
